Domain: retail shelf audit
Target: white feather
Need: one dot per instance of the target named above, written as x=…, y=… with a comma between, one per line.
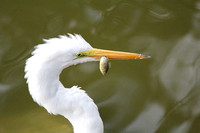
x=42, y=74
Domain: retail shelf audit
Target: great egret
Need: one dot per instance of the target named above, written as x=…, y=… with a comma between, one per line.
x=42, y=74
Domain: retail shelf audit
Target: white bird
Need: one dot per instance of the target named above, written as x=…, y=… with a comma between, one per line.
x=42, y=72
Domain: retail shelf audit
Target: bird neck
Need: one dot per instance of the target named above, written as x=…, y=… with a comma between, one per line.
x=43, y=81
x=72, y=103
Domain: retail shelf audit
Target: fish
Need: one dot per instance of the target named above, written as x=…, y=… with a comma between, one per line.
x=104, y=65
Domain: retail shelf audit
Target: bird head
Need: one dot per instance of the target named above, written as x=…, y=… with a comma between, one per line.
x=73, y=49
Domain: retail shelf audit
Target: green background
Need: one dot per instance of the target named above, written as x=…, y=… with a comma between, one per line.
x=158, y=95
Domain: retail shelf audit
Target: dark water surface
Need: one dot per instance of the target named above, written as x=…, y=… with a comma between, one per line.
x=158, y=95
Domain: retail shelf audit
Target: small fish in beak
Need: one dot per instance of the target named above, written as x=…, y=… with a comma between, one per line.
x=104, y=65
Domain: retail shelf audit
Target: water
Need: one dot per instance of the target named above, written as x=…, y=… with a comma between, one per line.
x=158, y=95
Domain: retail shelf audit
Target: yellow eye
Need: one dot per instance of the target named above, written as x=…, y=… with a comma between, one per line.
x=80, y=55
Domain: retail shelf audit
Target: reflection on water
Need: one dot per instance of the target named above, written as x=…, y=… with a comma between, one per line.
x=156, y=95
x=181, y=63
x=149, y=117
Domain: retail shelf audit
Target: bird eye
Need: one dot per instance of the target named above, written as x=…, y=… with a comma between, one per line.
x=80, y=55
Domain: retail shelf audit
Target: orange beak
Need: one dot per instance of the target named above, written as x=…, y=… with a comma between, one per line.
x=112, y=55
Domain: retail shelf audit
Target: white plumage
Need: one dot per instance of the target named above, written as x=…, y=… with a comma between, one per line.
x=42, y=74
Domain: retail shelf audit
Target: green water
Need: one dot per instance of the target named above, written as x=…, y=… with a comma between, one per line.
x=158, y=95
